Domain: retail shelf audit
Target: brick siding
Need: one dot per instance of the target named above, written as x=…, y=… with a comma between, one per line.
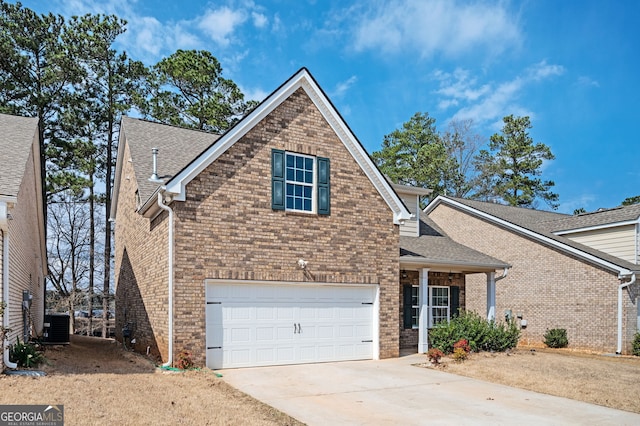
x=226, y=229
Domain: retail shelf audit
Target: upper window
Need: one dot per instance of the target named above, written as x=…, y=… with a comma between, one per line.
x=299, y=182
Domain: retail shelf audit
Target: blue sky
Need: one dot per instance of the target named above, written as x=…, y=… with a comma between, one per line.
x=572, y=66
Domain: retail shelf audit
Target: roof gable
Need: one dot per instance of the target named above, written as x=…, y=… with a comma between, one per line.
x=177, y=183
x=17, y=135
x=532, y=225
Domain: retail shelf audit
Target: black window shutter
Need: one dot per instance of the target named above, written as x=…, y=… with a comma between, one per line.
x=406, y=306
x=277, y=179
x=324, y=191
x=454, y=294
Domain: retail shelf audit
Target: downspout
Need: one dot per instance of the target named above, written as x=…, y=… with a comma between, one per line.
x=170, y=309
x=5, y=295
x=620, y=308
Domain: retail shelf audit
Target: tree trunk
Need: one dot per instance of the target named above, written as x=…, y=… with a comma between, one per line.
x=107, y=209
x=92, y=242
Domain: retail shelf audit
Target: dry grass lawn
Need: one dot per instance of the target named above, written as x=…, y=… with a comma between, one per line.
x=598, y=379
x=100, y=384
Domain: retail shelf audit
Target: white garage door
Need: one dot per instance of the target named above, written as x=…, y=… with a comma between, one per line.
x=264, y=324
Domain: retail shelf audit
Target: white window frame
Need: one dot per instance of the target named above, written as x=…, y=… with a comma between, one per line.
x=312, y=185
x=432, y=306
x=415, y=307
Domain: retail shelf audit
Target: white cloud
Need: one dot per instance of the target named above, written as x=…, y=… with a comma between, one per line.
x=342, y=87
x=219, y=24
x=459, y=85
x=449, y=27
x=585, y=81
x=259, y=20
x=489, y=102
x=542, y=70
x=254, y=94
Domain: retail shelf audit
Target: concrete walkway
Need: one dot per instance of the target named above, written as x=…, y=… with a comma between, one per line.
x=392, y=391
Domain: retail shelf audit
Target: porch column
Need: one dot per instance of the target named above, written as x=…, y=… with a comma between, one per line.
x=491, y=296
x=423, y=321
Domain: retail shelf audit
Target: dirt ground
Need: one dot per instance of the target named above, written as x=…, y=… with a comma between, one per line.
x=99, y=383
x=595, y=378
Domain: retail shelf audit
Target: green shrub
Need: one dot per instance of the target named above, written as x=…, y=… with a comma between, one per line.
x=481, y=335
x=25, y=354
x=635, y=349
x=556, y=338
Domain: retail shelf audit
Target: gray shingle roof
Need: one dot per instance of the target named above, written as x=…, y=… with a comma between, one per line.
x=538, y=222
x=597, y=218
x=16, y=138
x=177, y=148
x=434, y=247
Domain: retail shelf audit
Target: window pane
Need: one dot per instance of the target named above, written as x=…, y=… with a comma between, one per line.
x=300, y=181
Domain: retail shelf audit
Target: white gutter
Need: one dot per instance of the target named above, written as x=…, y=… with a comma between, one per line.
x=620, y=308
x=504, y=274
x=170, y=308
x=5, y=295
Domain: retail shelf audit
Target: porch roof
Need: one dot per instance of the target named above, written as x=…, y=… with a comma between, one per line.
x=433, y=248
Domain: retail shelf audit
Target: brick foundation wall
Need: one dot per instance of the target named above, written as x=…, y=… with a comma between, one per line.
x=549, y=288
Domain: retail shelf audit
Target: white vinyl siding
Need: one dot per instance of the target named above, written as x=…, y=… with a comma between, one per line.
x=618, y=241
x=410, y=227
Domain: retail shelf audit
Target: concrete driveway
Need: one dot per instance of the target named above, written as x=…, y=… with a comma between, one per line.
x=392, y=391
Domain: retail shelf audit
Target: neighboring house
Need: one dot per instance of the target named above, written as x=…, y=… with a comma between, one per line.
x=614, y=231
x=556, y=280
x=274, y=243
x=23, y=259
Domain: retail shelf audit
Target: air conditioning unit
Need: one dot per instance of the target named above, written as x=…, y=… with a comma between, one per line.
x=56, y=329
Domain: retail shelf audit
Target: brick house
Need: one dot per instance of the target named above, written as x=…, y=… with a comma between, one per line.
x=23, y=257
x=567, y=271
x=274, y=243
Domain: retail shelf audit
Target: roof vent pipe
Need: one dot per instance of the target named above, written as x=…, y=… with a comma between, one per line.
x=154, y=176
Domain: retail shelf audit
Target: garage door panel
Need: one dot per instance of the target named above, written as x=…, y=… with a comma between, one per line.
x=265, y=334
x=287, y=324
